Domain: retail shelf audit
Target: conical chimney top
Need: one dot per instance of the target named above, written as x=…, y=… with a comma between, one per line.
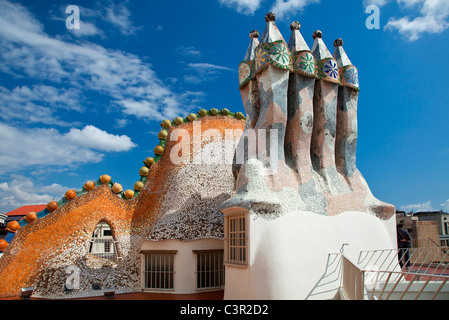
x=319, y=49
x=340, y=55
x=297, y=42
x=348, y=73
x=254, y=36
x=271, y=32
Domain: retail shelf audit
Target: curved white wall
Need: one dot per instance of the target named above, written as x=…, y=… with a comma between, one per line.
x=289, y=256
x=184, y=261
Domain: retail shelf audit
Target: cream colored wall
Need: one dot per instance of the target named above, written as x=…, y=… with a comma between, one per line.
x=291, y=256
x=184, y=260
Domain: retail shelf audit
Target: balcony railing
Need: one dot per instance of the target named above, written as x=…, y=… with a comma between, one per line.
x=103, y=249
x=378, y=274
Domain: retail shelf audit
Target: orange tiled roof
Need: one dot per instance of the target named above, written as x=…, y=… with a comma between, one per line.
x=25, y=209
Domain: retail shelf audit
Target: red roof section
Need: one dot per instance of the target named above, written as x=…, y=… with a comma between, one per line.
x=25, y=209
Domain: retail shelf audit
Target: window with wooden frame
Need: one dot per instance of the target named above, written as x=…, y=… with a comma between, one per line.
x=102, y=245
x=209, y=269
x=236, y=239
x=159, y=269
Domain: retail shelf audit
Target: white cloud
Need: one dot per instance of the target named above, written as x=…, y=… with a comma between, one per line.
x=121, y=123
x=288, y=8
x=27, y=51
x=147, y=110
x=91, y=137
x=425, y=206
x=247, y=7
x=140, y=109
x=204, y=72
x=410, y=3
x=208, y=67
x=117, y=16
x=445, y=205
x=120, y=16
x=9, y=12
x=434, y=18
x=22, y=149
x=378, y=3
x=21, y=191
x=86, y=29
x=38, y=103
x=189, y=51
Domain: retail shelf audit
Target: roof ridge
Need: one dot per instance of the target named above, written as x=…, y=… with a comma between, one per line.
x=116, y=187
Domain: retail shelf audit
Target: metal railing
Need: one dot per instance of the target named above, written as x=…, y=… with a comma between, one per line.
x=210, y=271
x=379, y=274
x=159, y=271
x=103, y=249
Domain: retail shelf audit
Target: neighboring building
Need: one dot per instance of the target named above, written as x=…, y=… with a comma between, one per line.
x=3, y=232
x=442, y=218
x=426, y=227
x=19, y=213
x=2, y=218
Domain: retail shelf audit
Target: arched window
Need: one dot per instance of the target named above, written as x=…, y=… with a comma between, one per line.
x=102, y=246
x=236, y=239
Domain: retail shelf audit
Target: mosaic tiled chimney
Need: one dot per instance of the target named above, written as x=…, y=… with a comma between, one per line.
x=298, y=150
x=300, y=196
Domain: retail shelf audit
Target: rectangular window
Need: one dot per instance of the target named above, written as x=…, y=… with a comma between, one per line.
x=209, y=269
x=236, y=239
x=107, y=233
x=159, y=269
x=107, y=246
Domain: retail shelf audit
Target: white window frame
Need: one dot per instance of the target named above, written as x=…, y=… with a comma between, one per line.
x=214, y=273
x=236, y=232
x=98, y=244
x=108, y=246
x=160, y=279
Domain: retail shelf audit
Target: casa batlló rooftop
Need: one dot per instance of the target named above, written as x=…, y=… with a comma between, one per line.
x=262, y=202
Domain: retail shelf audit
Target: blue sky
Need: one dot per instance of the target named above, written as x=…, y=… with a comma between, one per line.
x=76, y=104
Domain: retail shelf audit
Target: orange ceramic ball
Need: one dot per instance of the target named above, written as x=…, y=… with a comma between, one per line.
x=13, y=226
x=149, y=161
x=105, y=178
x=159, y=150
x=31, y=217
x=166, y=124
x=138, y=186
x=129, y=194
x=117, y=188
x=144, y=171
x=179, y=120
x=192, y=117
x=89, y=185
x=71, y=194
x=162, y=135
x=3, y=244
x=52, y=206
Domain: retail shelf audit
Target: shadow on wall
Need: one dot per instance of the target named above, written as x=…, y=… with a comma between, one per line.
x=330, y=281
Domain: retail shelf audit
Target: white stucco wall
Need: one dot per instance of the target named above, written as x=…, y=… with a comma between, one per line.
x=289, y=255
x=184, y=261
